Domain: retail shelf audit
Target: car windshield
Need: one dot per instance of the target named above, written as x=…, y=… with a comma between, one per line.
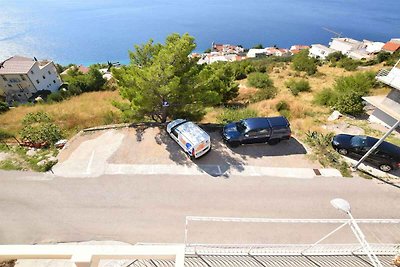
x=358, y=141
x=241, y=126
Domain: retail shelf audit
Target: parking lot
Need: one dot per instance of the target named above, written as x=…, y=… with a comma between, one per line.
x=150, y=150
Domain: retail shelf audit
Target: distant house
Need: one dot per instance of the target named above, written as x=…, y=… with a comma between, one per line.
x=387, y=108
x=356, y=49
x=320, y=51
x=278, y=52
x=345, y=45
x=22, y=77
x=295, y=49
x=227, y=48
x=256, y=52
x=373, y=47
x=392, y=46
x=81, y=68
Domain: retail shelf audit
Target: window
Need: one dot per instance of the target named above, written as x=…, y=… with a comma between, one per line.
x=44, y=77
x=4, y=77
x=32, y=72
x=54, y=81
x=9, y=85
x=49, y=72
x=37, y=81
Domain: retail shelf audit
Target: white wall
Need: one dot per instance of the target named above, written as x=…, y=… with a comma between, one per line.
x=45, y=77
x=16, y=87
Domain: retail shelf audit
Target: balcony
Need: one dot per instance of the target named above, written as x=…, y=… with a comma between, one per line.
x=390, y=77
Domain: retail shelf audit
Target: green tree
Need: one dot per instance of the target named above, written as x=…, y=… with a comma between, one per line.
x=258, y=46
x=302, y=62
x=297, y=86
x=163, y=81
x=3, y=107
x=38, y=128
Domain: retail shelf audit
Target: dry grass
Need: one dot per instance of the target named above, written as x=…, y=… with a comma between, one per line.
x=86, y=110
x=304, y=114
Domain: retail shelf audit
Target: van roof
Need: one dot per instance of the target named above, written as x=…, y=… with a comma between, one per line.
x=192, y=132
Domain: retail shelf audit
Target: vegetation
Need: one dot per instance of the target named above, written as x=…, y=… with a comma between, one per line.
x=79, y=83
x=321, y=146
x=3, y=107
x=163, y=81
x=236, y=114
x=298, y=86
x=347, y=92
x=258, y=46
x=38, y=128
x=259, y=80
x=302, y=62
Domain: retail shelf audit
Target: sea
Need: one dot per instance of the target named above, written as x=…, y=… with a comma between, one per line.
x=94, y=31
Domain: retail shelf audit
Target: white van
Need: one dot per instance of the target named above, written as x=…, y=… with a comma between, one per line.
x=194, y=140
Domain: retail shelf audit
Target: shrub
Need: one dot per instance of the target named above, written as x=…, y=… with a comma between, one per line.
x=39, y=128
x=347, y=92
x=348, y=64
x=325, y=97
x=350, y=103
x=282, y=105
x=232, y=114
x=259, y=80
x=3, y=107
x=335, y=57
x=263, y=94
x=297, y=86
x=302, y=62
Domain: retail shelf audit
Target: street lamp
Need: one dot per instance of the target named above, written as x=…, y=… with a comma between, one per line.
x=344, y=206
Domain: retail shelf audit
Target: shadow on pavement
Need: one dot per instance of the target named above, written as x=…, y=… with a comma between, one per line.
x=216, y=162
x=284, y=148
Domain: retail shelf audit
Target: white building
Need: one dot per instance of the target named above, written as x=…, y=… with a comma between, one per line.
x=254, y=52
x=21, y=77
x=320, y=51
x=345, y=45
x=387, y=108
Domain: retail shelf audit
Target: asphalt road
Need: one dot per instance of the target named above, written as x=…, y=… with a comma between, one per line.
x=36, y=208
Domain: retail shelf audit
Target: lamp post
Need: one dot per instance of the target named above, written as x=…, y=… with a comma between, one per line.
x=344, y=206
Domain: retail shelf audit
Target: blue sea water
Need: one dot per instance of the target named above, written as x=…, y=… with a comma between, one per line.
x=89, y=31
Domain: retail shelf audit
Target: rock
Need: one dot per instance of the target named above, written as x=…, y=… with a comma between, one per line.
x=42, y=163
x=60, y=143
x=31, y=153
x=52, y=159
x=335, y=115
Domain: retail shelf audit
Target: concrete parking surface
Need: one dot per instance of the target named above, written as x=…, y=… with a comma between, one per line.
x=151, y=151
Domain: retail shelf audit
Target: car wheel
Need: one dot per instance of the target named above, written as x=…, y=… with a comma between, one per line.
x=273, y=142
x=234, y=144
x=343, y=151
x=385, y=167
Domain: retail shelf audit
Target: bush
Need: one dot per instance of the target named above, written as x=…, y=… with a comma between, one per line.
x=38, y=128
x=297, y=86
x=259, y=80
x=302, y=62
x=282, y=105
x=347, y=92
x=232, y=114
x=263, y=94
x=3, y=107
x=325, y=97
x=350, y=103
x=348, y=64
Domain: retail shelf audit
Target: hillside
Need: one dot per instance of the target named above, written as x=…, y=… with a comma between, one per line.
x=95, y=108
